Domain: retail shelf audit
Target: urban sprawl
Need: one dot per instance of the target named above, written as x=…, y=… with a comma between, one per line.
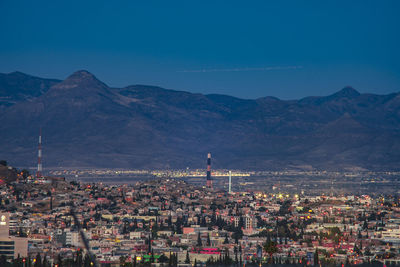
x=171, y=222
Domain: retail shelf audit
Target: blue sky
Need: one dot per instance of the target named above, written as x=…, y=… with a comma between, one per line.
x=248, y=49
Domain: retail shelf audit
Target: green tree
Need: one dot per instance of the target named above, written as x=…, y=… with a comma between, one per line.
x=59, y=260
x=87, y=260
x=187, y=260
x=199, y=243
x=3, y=260
x=270, y=248
x=316, y=259
x=122, y=261
x=45, y=262
x=175, y=259
x=25, y=173
x=78, y=259
x=38, y=261
x=226, y=241
x=163, y=259
x=235, y=250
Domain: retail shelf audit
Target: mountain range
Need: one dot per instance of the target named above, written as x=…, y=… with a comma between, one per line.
x=86, y=123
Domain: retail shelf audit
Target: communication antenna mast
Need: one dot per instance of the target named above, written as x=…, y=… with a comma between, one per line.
x=209, y=179
x=230, y=183
x=39, y=166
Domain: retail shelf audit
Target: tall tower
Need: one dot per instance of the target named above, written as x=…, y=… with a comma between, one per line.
x=209, y=180
x=39, y=166
x=230, y=182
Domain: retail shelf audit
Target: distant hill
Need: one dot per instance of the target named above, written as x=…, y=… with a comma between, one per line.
x=85, y=123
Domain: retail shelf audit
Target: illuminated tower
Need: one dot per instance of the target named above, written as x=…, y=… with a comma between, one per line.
x=230, y=183
x=39, y=166
x=209, y=180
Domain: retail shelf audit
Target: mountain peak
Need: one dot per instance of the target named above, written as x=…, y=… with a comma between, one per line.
x=19, y=75
x=81, y=78
x=81, y=75
x=348, y=92
x=15, y=73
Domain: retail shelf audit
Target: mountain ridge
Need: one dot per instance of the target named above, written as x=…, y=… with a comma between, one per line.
x=87, y=123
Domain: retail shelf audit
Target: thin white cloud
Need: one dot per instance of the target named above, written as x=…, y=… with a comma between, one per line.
x=243, y=69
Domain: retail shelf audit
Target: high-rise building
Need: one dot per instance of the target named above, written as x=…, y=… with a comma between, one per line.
x=11, y=246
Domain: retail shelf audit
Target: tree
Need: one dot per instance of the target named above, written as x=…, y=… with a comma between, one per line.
x=163, y=259
x=316, y=259
x=78, y=259
x=25, y=173
x=149, y=249
x=3, y=260
x=237, y=234
x=59, y=260
x=270, y=248
x=38, y=261
x=365, y=225
x=359, y=236
x=18, y=261
x=154, y=231
x=235, y=250
x=87, y=260
x=347, y=262
x=45, y=262
x=226, y=241
x=356, y=249
x=187, y=260
x=175, y=259
x=199, y=243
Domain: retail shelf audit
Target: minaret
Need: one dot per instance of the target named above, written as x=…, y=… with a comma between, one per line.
x=39, y=167
x=209, y=180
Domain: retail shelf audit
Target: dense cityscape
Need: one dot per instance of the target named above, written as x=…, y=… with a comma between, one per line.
x=164, y=221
